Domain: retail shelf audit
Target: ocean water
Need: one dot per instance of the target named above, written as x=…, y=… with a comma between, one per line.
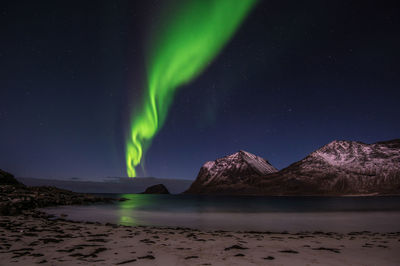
x=245, y=213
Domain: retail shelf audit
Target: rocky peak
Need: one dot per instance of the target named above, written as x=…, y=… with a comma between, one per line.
x=353, y=154
x=235, y=169
x=237, y=164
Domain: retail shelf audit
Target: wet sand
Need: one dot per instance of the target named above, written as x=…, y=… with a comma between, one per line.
x=33, y=238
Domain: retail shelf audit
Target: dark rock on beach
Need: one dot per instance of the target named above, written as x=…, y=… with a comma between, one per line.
x=235, y=247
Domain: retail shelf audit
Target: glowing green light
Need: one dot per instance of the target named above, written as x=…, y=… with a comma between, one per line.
x=189, y=41
x=127, y=210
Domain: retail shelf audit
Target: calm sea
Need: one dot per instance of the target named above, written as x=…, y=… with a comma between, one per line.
x=245, y=213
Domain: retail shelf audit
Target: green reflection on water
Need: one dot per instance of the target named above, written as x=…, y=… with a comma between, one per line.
x=127, y=208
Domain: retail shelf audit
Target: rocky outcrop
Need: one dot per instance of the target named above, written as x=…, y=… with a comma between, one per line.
x=233, y=174
x=156, y=189
x=7, y=179
x=338, y=168
x=16, y=197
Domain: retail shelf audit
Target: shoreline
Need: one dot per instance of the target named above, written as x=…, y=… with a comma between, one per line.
x=288, y=195
x=36, y=238
x=16, y=198
x=293, y=222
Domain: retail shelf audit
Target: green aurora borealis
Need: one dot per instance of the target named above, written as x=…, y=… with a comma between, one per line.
x=190, y=39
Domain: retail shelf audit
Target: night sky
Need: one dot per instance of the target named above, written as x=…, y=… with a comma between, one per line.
x=296, y=75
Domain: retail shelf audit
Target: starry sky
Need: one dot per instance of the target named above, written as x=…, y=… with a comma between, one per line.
x=296, y=75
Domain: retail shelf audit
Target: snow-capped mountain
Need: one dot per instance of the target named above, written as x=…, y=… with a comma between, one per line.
x=338, y=168
x=230, y=173
x=344, y=167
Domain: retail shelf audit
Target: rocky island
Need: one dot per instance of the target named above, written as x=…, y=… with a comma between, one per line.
x=156, y=189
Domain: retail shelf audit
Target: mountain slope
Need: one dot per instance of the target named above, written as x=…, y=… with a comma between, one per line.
x=231, y=174
x=338, y=168
x=341, y=167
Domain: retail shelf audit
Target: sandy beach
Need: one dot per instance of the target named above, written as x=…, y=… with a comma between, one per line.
x=34, y=238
